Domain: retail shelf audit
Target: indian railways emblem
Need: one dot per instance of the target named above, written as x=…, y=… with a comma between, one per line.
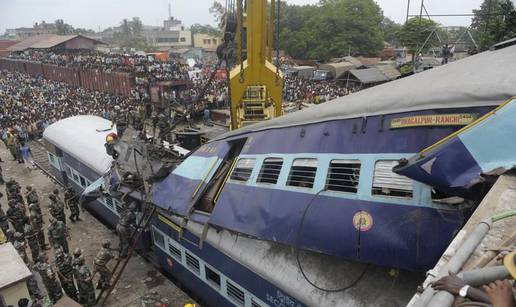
x=363, y=221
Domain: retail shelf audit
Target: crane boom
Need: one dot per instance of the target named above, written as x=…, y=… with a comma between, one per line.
x=256, y=84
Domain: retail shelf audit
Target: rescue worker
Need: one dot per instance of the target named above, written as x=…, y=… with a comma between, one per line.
x=2, y=182
x=77, y=253
x=31, y=236
x=100, y=264
x=31, y=195
x=123, y=229
x=57, y=234
x=11, y=145
x=32, y=284
x=72, y=203
x=16, y=216
x=54, y=290
x=21, y=246
x=36, y=220
x=41, y=266
x=120, y=120
x=63, y=262
x=164, y=128
x=84, y=280
x=56, y=208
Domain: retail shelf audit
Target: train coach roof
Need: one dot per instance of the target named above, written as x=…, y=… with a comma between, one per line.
x=78, y=137
x=487, y=78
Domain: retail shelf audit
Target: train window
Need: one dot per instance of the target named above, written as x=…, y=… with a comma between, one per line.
x=212, y=277
x=192, y=262
x=83, y=181
x=243, y=169
x=388, y=183
x=302, y=173
x=52, y=158
x=174, y=251
x=235, y=294
x=343, y=176
x=75, y=177
x=270, y=171
x=254, y=303
x=68, y=171
x=159, y=240
x=109, y=201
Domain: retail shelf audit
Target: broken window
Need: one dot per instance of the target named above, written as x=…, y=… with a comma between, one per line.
x=343, y=176
x=388, y=183
x=302, y=173
x=270, y=171
x=243, y=169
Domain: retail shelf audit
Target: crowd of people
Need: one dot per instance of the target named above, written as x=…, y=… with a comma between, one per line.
x=140, y=66
x=298, y=89
x=29, y=105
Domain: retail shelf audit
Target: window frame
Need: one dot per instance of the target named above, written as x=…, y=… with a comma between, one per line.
x=291, y=170
x=236, y=170
x=262, y=168
x=410, y=193
x=329, y=174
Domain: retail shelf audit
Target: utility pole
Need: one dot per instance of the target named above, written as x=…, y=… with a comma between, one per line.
x=169, y=11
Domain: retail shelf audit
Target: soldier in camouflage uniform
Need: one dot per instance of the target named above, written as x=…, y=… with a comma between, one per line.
x=57, y=234
x=77, y=254
x=4, y=221
x=164, y=128
x=36, y=220
x=84, y=283
x=9, y=234
x=32, y=284
x=64, y=266
x=73, y=204
x=55, y=292
x=31, y=236
x=21, y=246
x=16, y=216
x=123, y=229
x=31, y=195
x=100, y=265
x=56, y=208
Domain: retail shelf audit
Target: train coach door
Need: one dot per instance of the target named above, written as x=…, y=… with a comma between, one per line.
x=206, y=201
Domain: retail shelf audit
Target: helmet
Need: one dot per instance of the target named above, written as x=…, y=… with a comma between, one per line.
x=106, y=243
x=77, y=252
x=52, y=196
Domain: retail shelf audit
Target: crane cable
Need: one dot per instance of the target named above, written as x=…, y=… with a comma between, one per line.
x=241, y=24
x=278, y=5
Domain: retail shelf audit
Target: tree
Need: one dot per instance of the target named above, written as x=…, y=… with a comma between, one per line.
x=416, y=31
x=136, y=27
x=495, y=21
x=205, y=29
x=390, y=30
x=219, y=13
x=334, y=28
x=62, y=28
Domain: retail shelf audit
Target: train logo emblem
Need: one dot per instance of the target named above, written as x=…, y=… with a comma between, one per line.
x=362, y=221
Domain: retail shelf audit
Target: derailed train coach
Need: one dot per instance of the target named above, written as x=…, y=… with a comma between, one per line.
x=78, y=158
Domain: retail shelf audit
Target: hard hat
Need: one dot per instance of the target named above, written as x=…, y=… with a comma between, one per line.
x=509, y=261
x=190, y=305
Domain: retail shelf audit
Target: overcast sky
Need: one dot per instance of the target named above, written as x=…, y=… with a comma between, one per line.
x=95, y=14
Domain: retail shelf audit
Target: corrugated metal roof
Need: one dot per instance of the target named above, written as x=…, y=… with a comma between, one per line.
x=389, y=71
x=46, y=41
x=4, y=44
x=52, y=41
x=356, y=62
x=26, y=43
x=369, y=75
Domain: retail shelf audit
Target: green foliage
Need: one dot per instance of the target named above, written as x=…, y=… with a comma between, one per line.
x=390, y=30
x=66, y=29
x=495, y=21
x=130, y=35
x=219, y=14
x=205, y=29
x=334, y=28
x=416, y=31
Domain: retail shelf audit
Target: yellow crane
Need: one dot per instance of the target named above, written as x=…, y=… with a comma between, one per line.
x=256, y=85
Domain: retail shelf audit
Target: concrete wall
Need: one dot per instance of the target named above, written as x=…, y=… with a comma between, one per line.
x=206, y=41
x=15, y=292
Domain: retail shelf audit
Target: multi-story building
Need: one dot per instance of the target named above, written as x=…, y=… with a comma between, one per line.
x=206, y=41
x=37, y=29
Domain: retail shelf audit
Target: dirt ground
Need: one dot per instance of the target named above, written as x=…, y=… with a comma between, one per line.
x=140, y=281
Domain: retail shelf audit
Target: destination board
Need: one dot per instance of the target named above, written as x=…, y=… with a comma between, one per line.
x=462, y=119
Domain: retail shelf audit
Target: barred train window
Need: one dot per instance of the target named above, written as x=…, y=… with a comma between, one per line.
x=270, y=171
x=212, y=277
x=302, y=173
x=388, y=183
x=343, y=176
x=235, y=293
x=243, y=169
